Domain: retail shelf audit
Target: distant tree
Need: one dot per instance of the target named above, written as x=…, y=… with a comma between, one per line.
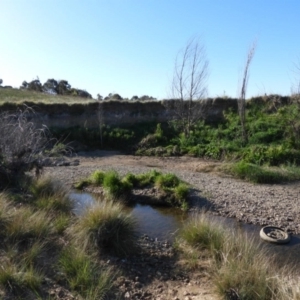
x=189, y=86
x=51, y=86
x=112, y=96
x=64, y=88
x=34, y=85
x=134, y=98
x=146, y=97
x=99, y=97
x=1, y=81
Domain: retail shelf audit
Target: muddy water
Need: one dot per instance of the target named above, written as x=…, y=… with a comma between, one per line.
x=163, y=223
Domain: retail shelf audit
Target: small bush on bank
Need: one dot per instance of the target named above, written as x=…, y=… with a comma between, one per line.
x=106, y=226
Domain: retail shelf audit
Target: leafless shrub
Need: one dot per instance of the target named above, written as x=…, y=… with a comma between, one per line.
x=23, y=146
x=189, y=86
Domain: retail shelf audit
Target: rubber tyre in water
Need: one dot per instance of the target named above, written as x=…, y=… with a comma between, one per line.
x=274, y=235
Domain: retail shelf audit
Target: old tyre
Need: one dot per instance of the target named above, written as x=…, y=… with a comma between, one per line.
x=275, y=235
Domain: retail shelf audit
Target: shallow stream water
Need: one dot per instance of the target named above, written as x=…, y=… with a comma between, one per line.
x=162, y=223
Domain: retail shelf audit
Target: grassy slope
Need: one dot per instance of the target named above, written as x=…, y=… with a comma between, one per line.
x=17, y=96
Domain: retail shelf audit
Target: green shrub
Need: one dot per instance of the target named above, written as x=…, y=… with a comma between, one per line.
x=181, y=191
x=165, y=181
x=114, y=185
x=97, y=178
x=256, y=174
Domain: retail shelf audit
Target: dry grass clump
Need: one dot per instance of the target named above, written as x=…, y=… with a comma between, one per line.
x=240, y=268
x=108, y=227
x=84, y=274
x=50, y=194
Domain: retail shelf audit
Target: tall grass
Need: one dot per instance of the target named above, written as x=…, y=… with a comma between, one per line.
x=50, y=194
x=25, y=223
x=239, y=267
x=108, y=227
x=83, y=274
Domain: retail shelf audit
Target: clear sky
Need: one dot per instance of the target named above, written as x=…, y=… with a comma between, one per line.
x=129, y=46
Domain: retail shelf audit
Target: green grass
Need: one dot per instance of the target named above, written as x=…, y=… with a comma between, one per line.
x=174, y=190
x=263, y=174
x=16, y=96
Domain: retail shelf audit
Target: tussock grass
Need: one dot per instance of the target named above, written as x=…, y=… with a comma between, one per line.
x=25, y=223
x=50, y=194
x=37, y=237
x=203, y=235
x=239, y=267
x=108, y=227
x=83, y=275
x=18, y=277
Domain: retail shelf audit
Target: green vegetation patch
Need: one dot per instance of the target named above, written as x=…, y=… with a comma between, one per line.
x=173, y=190
x=263, y=174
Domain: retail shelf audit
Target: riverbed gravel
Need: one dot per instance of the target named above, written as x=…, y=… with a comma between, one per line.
x=260, y=204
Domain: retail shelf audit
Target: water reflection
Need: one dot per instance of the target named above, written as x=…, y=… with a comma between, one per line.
x=158, y=222
x=163, y=223
x=81, y=201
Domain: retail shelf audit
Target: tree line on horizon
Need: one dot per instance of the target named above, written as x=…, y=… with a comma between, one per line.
x=63, y=87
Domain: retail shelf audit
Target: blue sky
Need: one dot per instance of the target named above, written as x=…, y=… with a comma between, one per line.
x=129, y=46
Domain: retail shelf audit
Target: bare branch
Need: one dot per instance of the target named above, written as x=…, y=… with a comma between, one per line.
x=189, y=84
x=242, y=96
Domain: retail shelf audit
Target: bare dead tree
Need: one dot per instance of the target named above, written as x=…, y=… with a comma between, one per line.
x=189, y=85
x=242, y=96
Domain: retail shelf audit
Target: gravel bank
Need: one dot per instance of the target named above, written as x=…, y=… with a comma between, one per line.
x=277, y=205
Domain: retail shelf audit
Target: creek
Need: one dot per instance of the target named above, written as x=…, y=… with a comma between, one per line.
x=162, y=223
